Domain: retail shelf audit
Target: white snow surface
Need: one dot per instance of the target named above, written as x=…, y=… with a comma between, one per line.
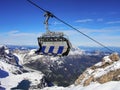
x=113, y=85
x=7, y=51
x=101, y=71
x=98, y=72
x=107, y=59
x=13, y=80
x=8, y=67
x=76, y=51
x=32, y=52
x=98, y=64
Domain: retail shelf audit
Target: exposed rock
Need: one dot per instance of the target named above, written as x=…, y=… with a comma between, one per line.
x=7, y=56
x=2, y=51
x=87, y=82
x=106, y=70
x=63, y=71
x=114, y=57
x=80, y=78
x=110, y=76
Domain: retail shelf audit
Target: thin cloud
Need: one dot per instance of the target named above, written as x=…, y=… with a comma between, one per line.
x=113, y=22
x=56, y=23
x=88, y=31
x=20, y=34
x=104, y=35
x=84, y=20
x=13, y=31
x=102, y=30
x=16, y=37
x=89, y=20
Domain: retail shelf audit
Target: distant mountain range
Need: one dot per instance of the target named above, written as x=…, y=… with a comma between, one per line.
x=86, y=49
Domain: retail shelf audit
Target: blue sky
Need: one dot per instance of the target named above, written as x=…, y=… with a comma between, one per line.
x=21, y=23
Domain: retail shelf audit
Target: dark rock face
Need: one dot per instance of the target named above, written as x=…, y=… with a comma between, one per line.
x=65, y=73
x=8, y=56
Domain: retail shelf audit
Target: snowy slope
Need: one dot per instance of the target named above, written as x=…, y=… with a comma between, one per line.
x=17, y=74
x=113, y=85
x=12, y=75
x=103, y=71
x=8, y=67
x=13, y=80
x=106, y=70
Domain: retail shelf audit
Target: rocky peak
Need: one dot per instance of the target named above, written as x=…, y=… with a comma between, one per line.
x=7, y=56
x=3, y=50
x=106, y=70
x=114, y=57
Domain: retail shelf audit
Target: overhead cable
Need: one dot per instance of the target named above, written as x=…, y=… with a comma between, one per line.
x=71, y=26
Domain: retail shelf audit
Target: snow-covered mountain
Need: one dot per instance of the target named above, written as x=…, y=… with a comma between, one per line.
x=14, y=75
x=62, y=71
x=13, y=70
x=23, y=69
x=104, y=75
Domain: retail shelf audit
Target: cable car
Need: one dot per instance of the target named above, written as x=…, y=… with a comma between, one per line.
x=53, y=43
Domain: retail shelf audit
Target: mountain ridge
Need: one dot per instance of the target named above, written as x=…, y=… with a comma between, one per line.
x=106, y=70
